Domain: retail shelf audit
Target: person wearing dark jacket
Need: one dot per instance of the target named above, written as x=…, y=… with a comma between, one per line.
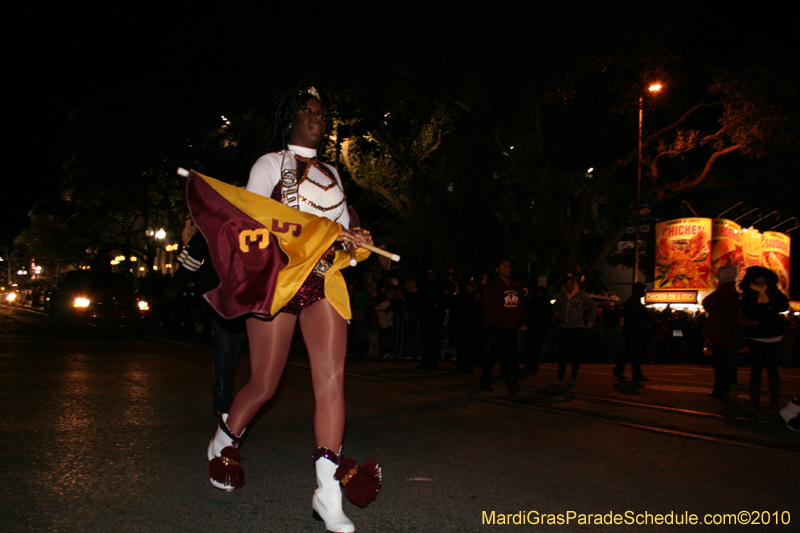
x=537, y=321
x=466, y=319
x=762, y=304
x=228, y=335
x=432, y=300
x=722, y=307
x=504, y=305
x=634, y=332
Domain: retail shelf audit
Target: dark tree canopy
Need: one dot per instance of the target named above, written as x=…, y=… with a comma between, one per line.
x=457, y=141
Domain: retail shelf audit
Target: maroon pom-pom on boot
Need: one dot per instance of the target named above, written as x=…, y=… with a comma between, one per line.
x=361, y=483
x=224, y=470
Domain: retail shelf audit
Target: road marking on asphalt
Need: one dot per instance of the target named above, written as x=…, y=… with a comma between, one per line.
x=177, y=342
x=677, y=388
x=606, y=399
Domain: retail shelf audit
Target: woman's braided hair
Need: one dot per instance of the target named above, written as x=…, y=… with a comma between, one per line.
x=286, y=107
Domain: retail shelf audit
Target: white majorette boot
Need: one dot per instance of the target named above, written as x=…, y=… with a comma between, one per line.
x=327, y=499
x=791, y=414
x=224, y=470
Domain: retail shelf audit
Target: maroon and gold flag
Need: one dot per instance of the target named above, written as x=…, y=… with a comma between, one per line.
x=261, y=249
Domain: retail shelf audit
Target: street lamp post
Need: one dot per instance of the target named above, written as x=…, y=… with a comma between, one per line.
x=7, y=258
x=159, y=236
x=654, y=88
x=155, y=236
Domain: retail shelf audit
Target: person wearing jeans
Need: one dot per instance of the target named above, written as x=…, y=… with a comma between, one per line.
x=569, y=309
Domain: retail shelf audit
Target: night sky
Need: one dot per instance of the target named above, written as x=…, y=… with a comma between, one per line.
x=166, y=63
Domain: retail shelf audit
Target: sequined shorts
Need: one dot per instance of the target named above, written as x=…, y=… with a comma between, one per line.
x=313, y=289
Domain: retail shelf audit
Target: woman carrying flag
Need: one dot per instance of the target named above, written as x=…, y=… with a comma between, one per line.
x=296, y=177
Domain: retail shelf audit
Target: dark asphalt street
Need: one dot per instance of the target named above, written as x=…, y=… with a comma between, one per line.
x=107, y=432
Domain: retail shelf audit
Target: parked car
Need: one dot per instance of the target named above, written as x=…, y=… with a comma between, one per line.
x=96, y=299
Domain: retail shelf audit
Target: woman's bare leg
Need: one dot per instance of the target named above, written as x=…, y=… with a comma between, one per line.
x=325, y=335
x=269, y=348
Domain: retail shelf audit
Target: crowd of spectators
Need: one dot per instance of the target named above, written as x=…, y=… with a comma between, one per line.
x=440, y=318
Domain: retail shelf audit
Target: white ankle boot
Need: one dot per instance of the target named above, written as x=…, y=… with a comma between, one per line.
x=790, y=414
x=224, y=470
x=220, y=440
x=327, y=500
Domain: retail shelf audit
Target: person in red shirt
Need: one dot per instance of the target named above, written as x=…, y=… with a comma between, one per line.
x=504, y=305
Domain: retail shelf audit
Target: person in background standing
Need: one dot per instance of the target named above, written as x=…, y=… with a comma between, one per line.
x=466, y=320
x=634, y=332
x=762, y=304
x=359, y=303
x=538, y=319
x=504, y=305
x=569, y=309
x=228, y=335
x=722, y=307
x=432, y=304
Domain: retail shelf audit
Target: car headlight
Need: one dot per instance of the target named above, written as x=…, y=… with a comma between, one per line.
x=143, y=306
x=81, y=302
x=11, y=296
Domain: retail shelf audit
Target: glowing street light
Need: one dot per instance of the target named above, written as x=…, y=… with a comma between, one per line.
x=654, y=88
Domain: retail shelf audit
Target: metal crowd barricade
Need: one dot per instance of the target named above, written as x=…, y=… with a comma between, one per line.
x=600, y=344
x=401, y=340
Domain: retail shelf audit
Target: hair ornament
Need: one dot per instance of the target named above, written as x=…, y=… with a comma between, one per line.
x=313, y=92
